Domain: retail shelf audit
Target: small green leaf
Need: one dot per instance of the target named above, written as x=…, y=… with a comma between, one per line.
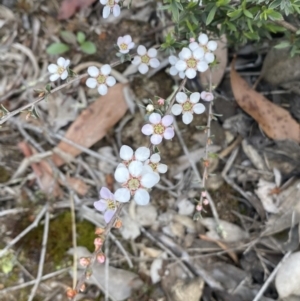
x=57, y=48
x=80, y=37
x=274, y=15
x=248, y=14
x=68, y=37
x=211, y=15
x=235, y=14
x=88, y=47
x=282, y=45
x=48, y=88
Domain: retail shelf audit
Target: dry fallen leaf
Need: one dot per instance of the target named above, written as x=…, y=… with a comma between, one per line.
x=69, y=7
x=275, y=121
x=218, y=71
x=94, y=122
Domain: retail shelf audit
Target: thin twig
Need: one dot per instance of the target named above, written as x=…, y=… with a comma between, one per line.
x=172, y=100
x=287, y=25
x=271, y=277
x=43, y=253
x=74, y=238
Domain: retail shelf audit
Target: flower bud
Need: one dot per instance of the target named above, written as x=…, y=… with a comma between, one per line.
x=207, y=96
x=98, y=242
x=71, y=293
x=203, y=194
x=150, y=108
x=161, y=101
x=101, y=258
x=199, y=207
x=83, y=287
x=192, y=40
x=205, y=202
x=84, y=261
x=99, y=231
x=118, y=223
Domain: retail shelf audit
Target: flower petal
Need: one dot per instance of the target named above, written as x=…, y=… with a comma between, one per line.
x=181, y=65
x=91, y=83
x=169, y=133
x=195, y=97
x=212, y=45
x=102, y=89
x=176, y=109
x=108, y=215
x=152, y=52
x=156, y=139
x=116, y=10
x=190, y=73
x=61, y=62
x=52, y=68
x=120, y=40
x=122, y=195
x=54, y=77
x=142, y=197
x=105, y=69
x=64, y=75
x=193, y=46
x=110, y=81
x=100, y=205
x=141, y=50
x=207, y=96
x=187, y=117
x=155, y=118
x=93, y=71
x=181, y=97
x=203, y=39
x=162, y=168
x=127, y=39
x=173, y=59
x=142, y=153
x=148, y=180
x=198, y=53
x=167, y=120
x=181, y=74
x=173, y=71
x=209, y=57
x=199, y=108
x=154, y=63
x=105, y=193
x=143, y=68
x=67, y=63
x=202, y=66
x=103, y=2
x=106, y=11
x=155, y=158
x=136, y=60
x=186, y=53
x=122, y=174
x=126, y=152
x=135, y=168
x=147, y=129
x=130, y=45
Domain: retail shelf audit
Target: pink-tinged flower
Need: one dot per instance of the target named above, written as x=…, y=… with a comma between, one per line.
x=191, y=60
x=106, y=204
x=161, y=101
x=153, y=164
x=135, y=182
x=100, y=78
x=192, y=40
x=125, y=43
x=111, y=6
x=159, y=128
x=205, y=202
x=59, y=70
x=207, y=96
x=187, y=106
x=208, y=47
x=127, y=155
x=145, y=58
x=199, y=208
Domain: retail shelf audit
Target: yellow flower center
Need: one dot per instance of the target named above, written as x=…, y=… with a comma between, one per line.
x=133, y=184
x=123, y=46
x=187, y=106
x=111, y=3
x=153, y=166
x=191, y=63
x=111, y=205
x=145, y=59
x=158, y=129
x=101, y=79
x=60, y=70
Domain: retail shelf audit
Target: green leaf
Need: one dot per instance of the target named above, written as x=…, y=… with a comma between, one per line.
x=80, y=37
x=211, y=15
x=88, y=47
x=282, y=45
x=175, y=12
x=248, y=14
x=274, y=15
x=68, y=37
x=235, y=14
x=57, y=48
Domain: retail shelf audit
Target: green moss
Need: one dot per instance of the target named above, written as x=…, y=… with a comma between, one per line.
x=4, y=175
x=60, y=238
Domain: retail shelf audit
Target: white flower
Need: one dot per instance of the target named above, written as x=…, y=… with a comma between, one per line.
x=127, y=154
x=125, y=43
x=150, y=108
x=135, y=182
x=208, y=47
x=145, y=58
x=59, y=70
x=100, y=78
x=173, y=70
x=190, y=60
x=187, y=106
x=153, y=164
x=110, y=6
